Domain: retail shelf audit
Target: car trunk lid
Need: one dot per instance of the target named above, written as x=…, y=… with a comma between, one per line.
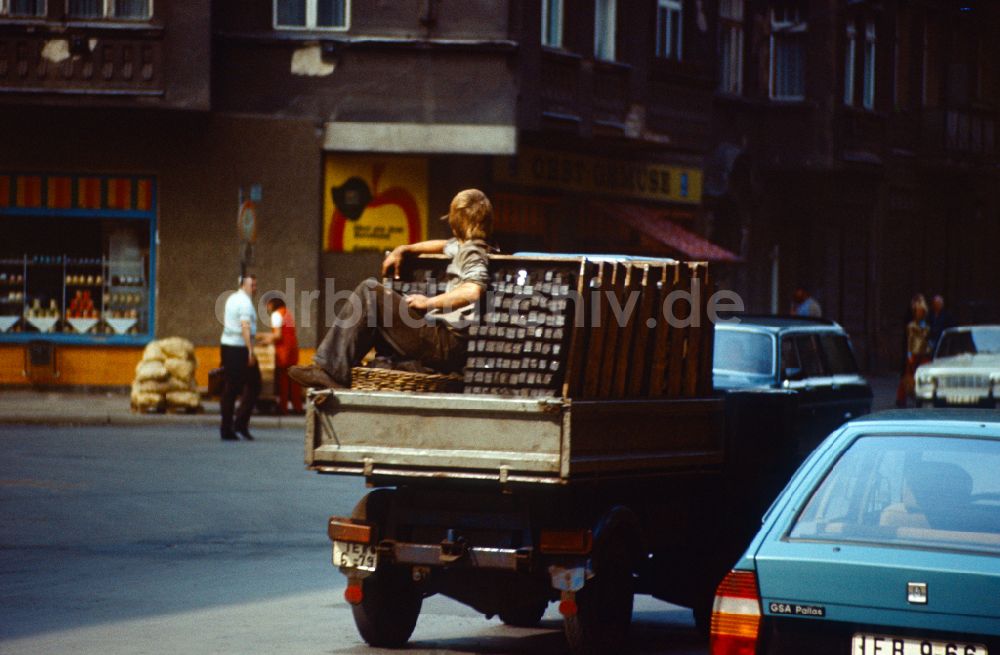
x=879, y=585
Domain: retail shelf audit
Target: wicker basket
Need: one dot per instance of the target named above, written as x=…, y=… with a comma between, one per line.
x=385, y=379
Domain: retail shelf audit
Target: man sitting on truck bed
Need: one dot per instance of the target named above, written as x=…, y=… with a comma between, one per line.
x=432, y=330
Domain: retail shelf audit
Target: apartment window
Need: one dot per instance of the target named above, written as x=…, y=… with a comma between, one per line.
x=604, y=29
x=669, y=29
x=114, y=9
x=788, y=53
x=311, y=14
x=901, y=69
x=552, y=23
x=849, y=58
x=982, y=74
x=927, y=94
x=25, y=8
x=869, y=86
x=731, y=46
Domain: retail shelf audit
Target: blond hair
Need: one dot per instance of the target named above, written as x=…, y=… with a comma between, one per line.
x=471, y=215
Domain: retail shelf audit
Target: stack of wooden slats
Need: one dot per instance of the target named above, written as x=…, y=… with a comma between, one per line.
x=640, y=336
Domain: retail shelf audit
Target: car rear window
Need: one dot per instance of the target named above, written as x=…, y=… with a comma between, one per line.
x=973, y=342
x=800, y=357
x=932, y=492
x=838, y=354
x=744, y=352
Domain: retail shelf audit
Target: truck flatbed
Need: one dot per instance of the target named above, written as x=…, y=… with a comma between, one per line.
x=413, y=436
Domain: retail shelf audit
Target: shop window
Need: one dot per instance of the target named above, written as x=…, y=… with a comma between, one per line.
x=22, y=8
x=669, y=28
x=788, y=52
x=77, y=258
x=731, y=46
x=552, y=23
x=605, y=24
x=849, y=59
x=311, y=14
x=868, y=100
x=110, y=9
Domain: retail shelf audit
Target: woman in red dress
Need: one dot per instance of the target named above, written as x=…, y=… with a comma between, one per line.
x=286, y=353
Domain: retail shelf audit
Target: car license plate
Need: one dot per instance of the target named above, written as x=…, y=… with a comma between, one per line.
x=349, y=555
x=868, y=644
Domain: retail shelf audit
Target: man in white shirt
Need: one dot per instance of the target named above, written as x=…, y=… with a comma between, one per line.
x=241, y=373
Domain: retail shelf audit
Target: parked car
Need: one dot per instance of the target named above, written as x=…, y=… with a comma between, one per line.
x=811, y=358
x=965, y=369
x=885, y=541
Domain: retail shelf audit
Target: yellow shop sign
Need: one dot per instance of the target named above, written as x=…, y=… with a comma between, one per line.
x=600, y=176
x=373, y=203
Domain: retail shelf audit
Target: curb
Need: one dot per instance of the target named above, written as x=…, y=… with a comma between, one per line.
x=145, y=420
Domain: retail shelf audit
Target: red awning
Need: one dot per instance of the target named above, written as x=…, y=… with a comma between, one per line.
x=655, y=225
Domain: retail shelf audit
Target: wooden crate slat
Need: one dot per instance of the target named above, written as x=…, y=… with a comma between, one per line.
x=576, y=318
x=696, y=333
x=681, y=311
x=705, y=386
x=596, y=320
x=612, y=329
x=663, y=334
x=642, y=338
x=626, y=366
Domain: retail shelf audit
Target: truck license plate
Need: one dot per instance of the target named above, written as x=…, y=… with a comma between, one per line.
x=349, y=555
x=868, y=644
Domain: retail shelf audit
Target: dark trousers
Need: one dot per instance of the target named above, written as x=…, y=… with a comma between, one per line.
x=241, y=381
x=379, y=317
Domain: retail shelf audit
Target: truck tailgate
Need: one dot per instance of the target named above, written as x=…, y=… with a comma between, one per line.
x=464, y=436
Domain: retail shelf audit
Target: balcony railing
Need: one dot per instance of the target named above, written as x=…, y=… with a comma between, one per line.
x=560, y=85
x=970, y=132
x=75, y=65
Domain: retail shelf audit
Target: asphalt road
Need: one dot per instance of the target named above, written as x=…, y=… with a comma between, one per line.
x=166, y=540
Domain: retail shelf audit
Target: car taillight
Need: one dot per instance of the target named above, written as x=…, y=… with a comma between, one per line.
x=736, y=615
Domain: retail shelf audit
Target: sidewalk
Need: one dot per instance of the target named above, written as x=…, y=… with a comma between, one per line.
x=112, y=408
x=25, y=406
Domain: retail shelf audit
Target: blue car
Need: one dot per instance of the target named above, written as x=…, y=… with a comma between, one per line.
x=886, y=541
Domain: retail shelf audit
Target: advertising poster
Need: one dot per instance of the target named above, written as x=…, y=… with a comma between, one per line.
x=373, y=203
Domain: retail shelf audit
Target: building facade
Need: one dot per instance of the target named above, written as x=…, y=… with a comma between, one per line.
x=856, y=155
x=155, y=150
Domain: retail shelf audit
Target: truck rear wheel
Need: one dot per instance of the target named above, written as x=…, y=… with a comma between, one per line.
x=387, y=613
x=604, y=607
x=524, y=616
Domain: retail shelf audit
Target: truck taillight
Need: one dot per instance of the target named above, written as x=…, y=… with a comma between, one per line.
x=566, y=542
x=736, y=615
x=344, y=530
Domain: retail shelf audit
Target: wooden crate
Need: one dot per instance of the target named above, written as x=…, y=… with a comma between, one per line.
x=583, y=327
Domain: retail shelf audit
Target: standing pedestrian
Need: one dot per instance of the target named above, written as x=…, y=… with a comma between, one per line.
x=939, y=319
x=241, y=374
x=805, y=305
x=918, y=349
x=286, y=353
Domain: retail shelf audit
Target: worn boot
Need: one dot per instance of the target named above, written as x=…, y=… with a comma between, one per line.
x=313, y=376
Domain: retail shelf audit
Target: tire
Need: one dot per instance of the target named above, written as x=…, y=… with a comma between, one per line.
x=388, y=612
x=604, y=606
x=524, y=616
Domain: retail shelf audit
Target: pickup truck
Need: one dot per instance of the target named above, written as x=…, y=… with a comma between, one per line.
x=622, y=474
